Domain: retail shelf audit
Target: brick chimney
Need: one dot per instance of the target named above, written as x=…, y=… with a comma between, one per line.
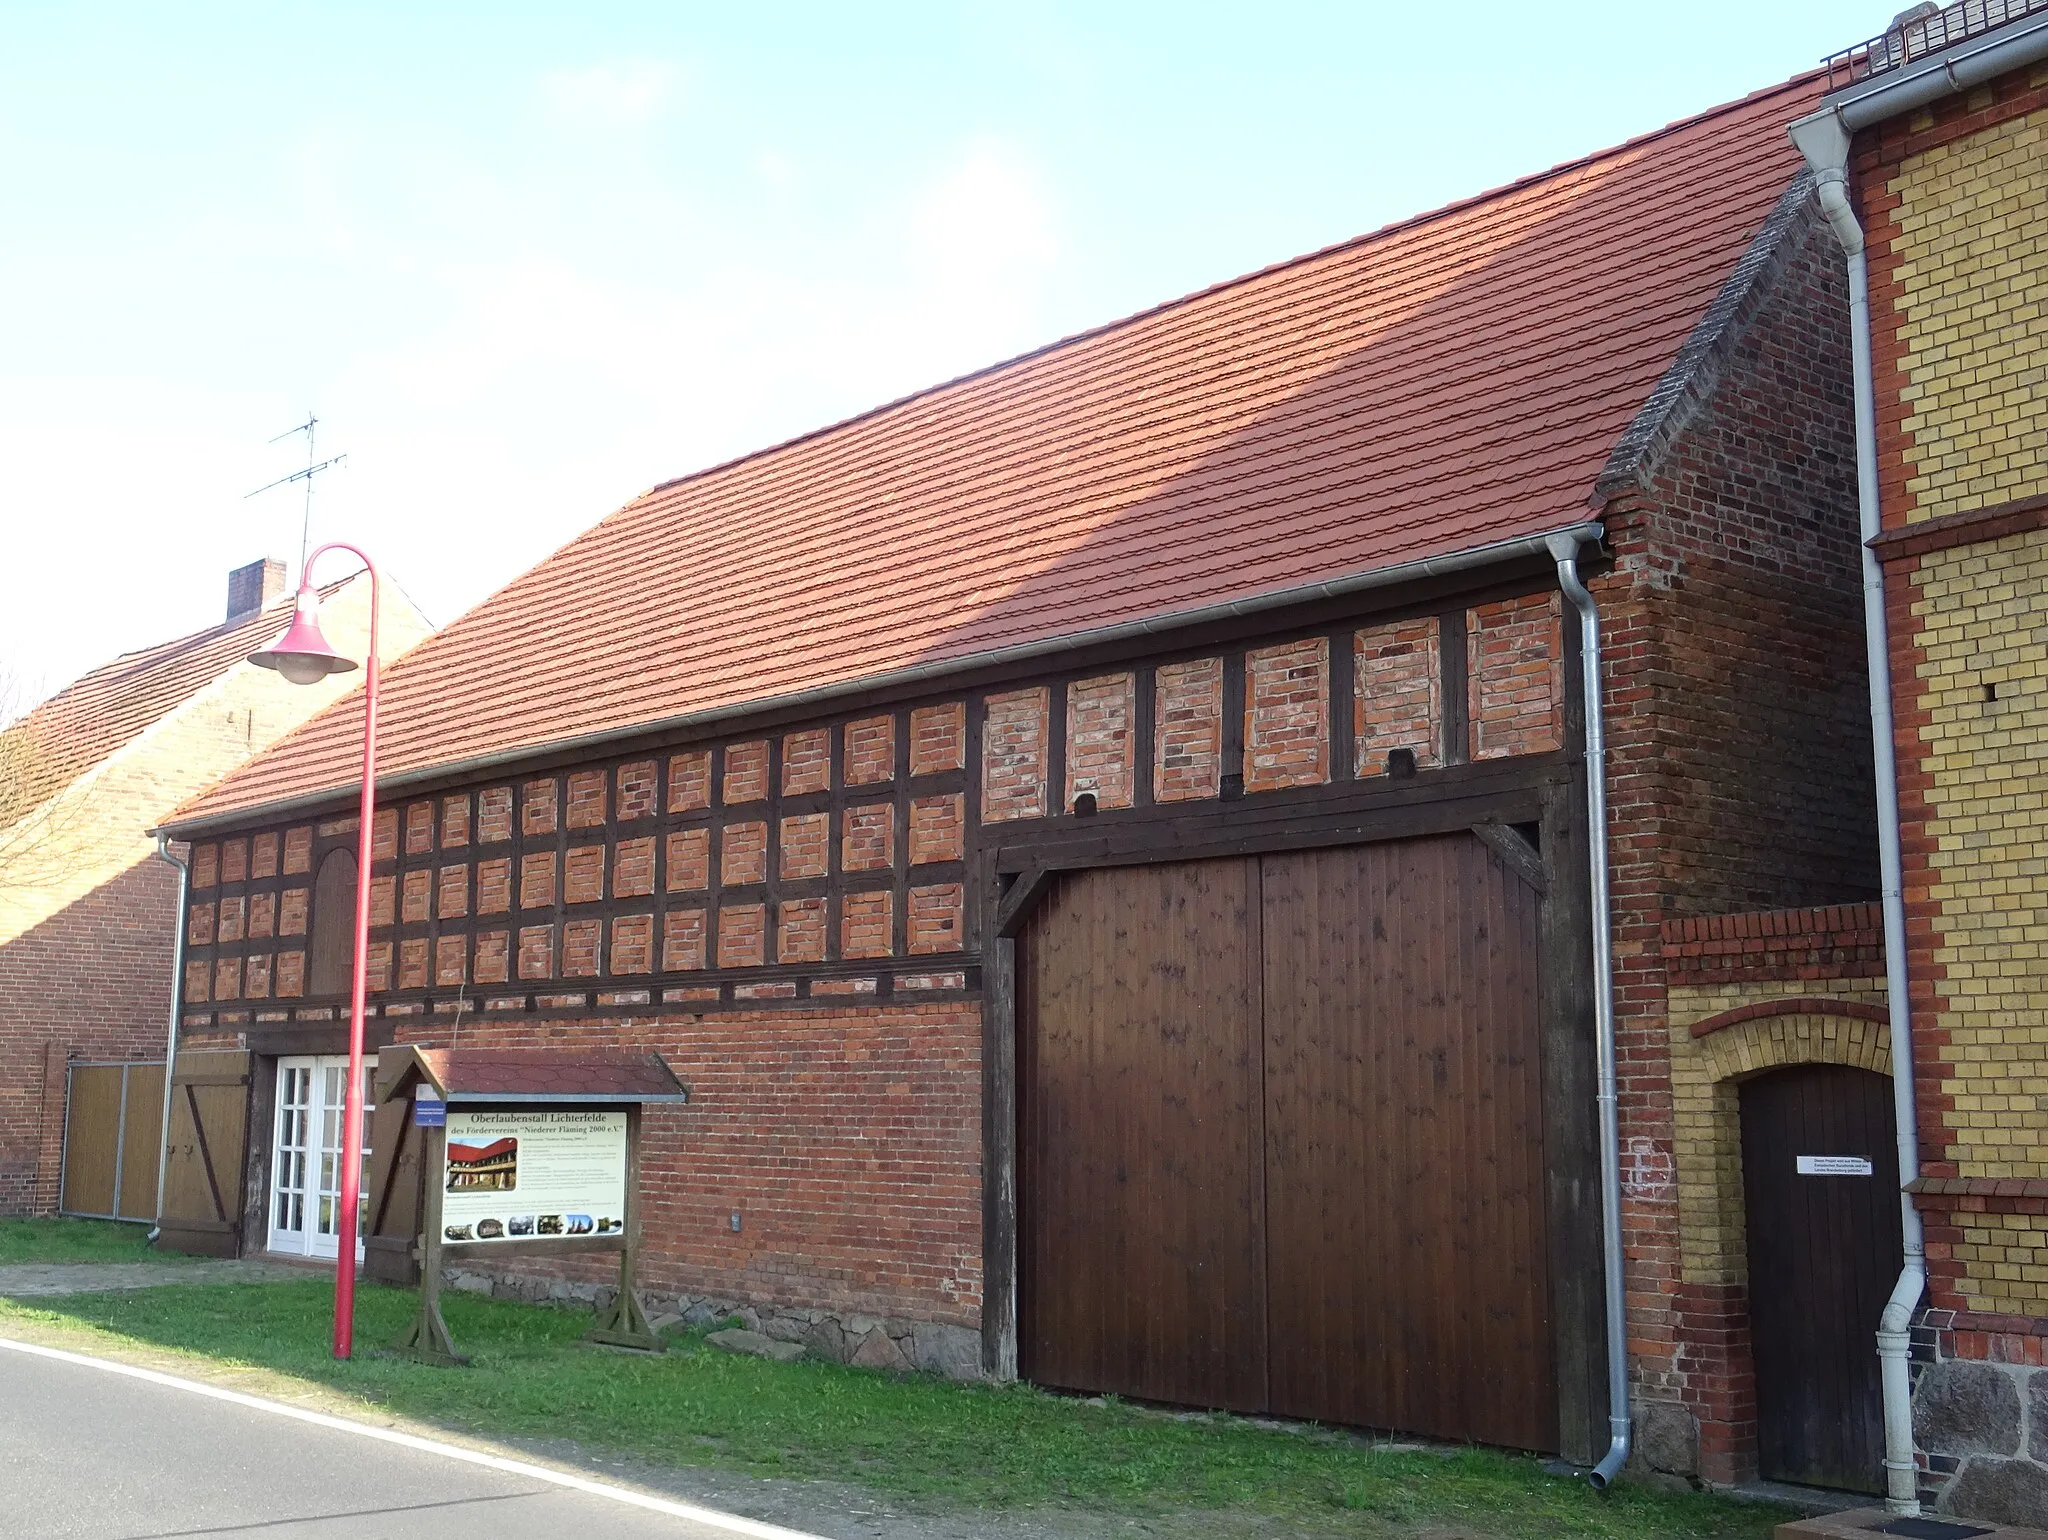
x=253, y=586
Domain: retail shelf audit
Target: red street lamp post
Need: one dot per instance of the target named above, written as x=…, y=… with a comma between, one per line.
x=303, y=656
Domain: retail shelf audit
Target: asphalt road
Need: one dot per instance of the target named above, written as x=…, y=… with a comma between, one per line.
x=86, y=1454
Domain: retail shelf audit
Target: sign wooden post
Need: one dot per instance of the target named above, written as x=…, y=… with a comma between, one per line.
x=527, y=1153
x=625, y=1324
x=427, y=1338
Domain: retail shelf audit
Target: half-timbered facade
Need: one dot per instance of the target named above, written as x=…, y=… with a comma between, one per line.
x=1105, y=840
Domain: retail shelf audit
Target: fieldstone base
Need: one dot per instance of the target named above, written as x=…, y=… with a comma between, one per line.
x=1982, y=1432
x=1666, y=1445
x=870, y=1342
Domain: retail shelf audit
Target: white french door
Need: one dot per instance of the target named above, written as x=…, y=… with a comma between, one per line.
x=305, y=1156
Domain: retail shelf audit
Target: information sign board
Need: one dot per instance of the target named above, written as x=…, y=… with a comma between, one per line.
x=545, y=1174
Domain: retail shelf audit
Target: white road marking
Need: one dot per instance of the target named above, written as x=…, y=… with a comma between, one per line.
x=709, y=1517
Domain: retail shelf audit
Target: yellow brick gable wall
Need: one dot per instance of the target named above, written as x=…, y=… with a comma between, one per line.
x=1705, y=1074
x=1971, y=253
x=1981, y=620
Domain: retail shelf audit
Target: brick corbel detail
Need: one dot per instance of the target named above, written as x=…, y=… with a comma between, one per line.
x=1982, y=1194
x=1975, y=526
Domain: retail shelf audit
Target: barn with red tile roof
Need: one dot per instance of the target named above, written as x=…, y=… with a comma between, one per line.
x=1105, y=838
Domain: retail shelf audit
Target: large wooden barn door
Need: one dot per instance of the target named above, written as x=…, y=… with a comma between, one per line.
x=1142, y=1248
x=1280, y=1140
x=1820, y=1176
x=1404, y=1155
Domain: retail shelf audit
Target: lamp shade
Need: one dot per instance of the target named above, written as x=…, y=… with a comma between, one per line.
x=302, y=654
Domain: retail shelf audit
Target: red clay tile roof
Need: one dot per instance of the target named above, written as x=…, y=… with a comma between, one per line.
x=96, y=714
x=530, y=1074
x=1447, y=382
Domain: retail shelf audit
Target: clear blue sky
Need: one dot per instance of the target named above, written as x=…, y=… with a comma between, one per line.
x=525, y=261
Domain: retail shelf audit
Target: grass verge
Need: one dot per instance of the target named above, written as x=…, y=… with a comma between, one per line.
x=938, y=1444
x=76, y=1240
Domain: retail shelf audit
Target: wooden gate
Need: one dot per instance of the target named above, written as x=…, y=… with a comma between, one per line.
x=113, y=1120
x=207, y=1154
x=1280, y=1140
x=1820, y=1176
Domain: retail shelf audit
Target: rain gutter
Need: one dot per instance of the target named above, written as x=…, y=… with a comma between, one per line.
x=1947, y=73
x=1564, y=550
x=163, y=1143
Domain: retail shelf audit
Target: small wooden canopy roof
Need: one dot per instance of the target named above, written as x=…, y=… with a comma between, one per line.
x=527, y=1075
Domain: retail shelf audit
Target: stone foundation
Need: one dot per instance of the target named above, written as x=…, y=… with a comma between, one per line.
x=1980, y=1421
x=869, y=1342
x=1665, y=1447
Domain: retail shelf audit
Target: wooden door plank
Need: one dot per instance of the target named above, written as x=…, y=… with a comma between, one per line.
x=204, y=1157
x=1822, y=1253
x=1141, y=1205
x=142, y=1143
x=1408, y=1265
x=92, y=1128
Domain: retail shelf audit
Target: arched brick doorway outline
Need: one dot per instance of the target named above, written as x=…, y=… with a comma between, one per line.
x=1727, y=1048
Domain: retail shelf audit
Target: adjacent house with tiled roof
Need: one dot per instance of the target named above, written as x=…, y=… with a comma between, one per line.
x=87, y=917
x=1107, y=840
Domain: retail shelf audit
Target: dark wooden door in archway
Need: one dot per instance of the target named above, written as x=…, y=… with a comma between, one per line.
x=1820, y=1175
x=1280, y=1140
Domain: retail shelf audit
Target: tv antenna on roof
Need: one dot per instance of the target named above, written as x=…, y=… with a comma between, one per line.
x=313, y=468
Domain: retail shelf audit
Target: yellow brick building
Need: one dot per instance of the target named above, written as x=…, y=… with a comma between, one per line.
x=1955, y=195
x=1942, y=127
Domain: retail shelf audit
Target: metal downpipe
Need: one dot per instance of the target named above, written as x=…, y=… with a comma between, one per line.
x=1824, y=142
x=163, y=1138
x=1564, y=549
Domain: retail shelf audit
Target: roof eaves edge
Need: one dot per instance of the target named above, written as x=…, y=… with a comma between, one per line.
x=1465, y=560
x=1686, y=386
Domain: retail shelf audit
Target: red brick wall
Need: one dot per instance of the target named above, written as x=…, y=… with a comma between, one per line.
x=1397, y=679
x=1287, y=715
x=1836, y=942
x=1101, y=757
x=1739, y=769
x=848, y=1139
x=1515, y=669
x=1187, y=758
x=92, y=982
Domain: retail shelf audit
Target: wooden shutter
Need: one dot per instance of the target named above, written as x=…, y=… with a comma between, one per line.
x=207, y=1154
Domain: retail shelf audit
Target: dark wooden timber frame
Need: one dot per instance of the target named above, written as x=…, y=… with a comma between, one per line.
x=292, y=1025
x=1529, y=810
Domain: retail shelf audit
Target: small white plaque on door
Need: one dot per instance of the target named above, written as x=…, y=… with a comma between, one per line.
x=1833, y=1165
